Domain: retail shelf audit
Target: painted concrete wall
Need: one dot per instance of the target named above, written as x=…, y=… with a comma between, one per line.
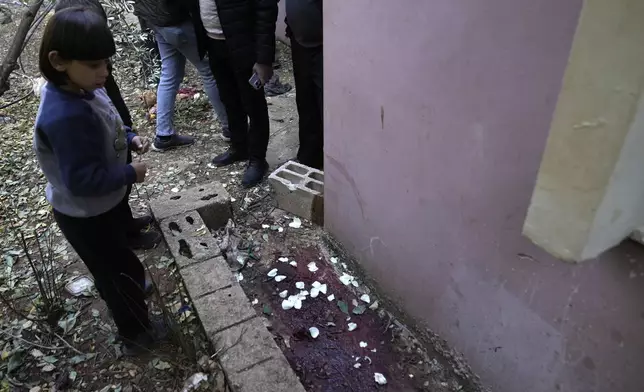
x=590, y=187
x=437, y=114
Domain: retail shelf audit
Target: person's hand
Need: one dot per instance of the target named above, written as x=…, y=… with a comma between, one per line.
x=140, y=144
x=265, y=72
x=140, y=169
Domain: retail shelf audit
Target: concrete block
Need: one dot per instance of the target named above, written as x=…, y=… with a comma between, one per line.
x=299, y=189
x=188, y=238
x=207, y=277
x=638, y=235
x=245, y=345
x=212, y=201
x=223, y=309
x=274, y=375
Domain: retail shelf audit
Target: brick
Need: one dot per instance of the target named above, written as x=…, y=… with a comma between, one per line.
x=245, y=345
x=189, y=239
x=299, y=189
x=207, y=277
x=274, y=375
x=223, y=309
x=211, y=201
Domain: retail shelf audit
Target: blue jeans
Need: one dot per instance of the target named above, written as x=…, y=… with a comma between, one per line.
x=176, y=44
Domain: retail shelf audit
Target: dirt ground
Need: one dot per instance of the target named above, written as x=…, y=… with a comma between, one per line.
x=84, y=356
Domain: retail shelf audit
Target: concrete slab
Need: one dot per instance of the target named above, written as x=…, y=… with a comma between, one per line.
x=207, y=277
x=211, y=201
x=188, y=238
x=223, y=309
x=274, y=375
x=245, y=345
x=283, y=144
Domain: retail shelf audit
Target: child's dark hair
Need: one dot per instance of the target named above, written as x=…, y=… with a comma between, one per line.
x=76, y=34
x=92, y=5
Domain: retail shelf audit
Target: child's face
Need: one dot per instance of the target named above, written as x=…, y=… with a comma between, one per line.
x=85, y=75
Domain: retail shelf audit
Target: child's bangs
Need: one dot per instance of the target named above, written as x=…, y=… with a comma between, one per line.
x=84, y=36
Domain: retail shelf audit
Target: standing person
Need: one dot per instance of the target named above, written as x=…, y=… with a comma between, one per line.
x=137, y=234
x=239, y=37
x=81, y=144
x=304, y=28
x=177, y=42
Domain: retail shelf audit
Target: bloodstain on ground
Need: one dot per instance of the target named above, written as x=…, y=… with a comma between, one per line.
x=327, y=363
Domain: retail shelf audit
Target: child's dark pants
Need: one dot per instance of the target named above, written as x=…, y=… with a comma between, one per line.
x=100, y=242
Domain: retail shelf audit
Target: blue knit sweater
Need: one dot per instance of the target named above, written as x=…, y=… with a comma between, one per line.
x=81, y=145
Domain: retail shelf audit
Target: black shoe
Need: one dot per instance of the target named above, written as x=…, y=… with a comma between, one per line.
x=146, y=341
x=254, y=173
x=229, y=157
x=140, y=224
x=144, y=240
x=225, y=134
x=165, y=143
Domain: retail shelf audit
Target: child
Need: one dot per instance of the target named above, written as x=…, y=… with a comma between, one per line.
x=81, y=145
x=137, y=237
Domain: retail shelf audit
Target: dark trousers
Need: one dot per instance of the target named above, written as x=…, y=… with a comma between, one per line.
x=100, y=242
x=308, y=71
x=242, y=102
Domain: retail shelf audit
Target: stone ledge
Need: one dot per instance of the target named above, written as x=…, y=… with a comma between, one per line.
x=274, y=375
x=207, y=277
x=188, y=238
x=211, y=201
x=247, y=351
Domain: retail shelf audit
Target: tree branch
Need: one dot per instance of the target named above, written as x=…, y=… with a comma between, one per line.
x=10, y=62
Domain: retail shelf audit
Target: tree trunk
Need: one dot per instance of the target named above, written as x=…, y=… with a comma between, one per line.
x=10, y=62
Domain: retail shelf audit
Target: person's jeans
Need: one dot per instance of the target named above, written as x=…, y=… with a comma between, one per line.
x=176, y=44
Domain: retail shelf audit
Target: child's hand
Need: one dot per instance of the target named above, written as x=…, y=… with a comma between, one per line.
x=140, y=169
x=140, y=144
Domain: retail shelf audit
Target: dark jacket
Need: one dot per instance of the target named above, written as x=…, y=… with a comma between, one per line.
x=249, y=27
x=161, y=13
x=304, y=22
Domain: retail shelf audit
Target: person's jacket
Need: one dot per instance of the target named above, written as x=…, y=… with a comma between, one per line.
x=161, y=13
x=249, y=28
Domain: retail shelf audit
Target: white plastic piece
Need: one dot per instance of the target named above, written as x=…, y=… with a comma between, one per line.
x=380, y=379
x=346, y=279
x=296, y=224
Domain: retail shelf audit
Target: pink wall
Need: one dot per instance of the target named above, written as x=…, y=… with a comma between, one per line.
x=437, y=112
